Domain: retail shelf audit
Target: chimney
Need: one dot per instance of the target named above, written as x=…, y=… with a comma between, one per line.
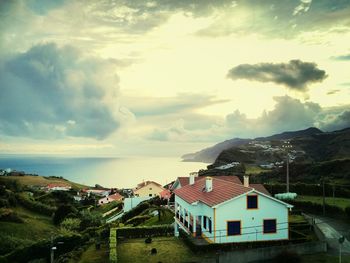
x=208, y=184
x=246, y=180
x=191, y=178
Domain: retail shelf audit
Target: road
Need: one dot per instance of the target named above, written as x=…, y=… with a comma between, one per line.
x=333, y=229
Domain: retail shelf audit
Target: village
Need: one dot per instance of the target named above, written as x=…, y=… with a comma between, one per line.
x=197, y=214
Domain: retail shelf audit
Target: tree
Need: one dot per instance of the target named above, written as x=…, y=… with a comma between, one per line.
x=62, y=212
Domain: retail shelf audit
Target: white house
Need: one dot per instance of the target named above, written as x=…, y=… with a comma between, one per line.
x=110, y=198
x=225, y=212
x=58, y=187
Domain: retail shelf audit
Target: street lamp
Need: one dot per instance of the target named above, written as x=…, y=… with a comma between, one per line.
x=341, y=241
x=52, y=250
x=286, y=147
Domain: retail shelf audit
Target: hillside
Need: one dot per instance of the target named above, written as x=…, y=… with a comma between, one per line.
x=210, y=154
x=30, y=180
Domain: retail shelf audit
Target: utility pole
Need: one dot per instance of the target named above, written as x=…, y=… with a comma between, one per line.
x=286, y=147
x=324, y=197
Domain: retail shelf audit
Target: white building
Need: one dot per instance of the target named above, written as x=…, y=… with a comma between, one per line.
x=110, y=198
x=148, y=189
x=224, y=212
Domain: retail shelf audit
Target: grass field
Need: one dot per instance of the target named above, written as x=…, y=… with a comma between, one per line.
x=34, y=228
x=254, y=169
x=340, y=202
x=91, y=255
x=169, y=249
x=165, y=219
x=41, y=181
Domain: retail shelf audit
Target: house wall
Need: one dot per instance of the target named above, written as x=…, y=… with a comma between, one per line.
x=151, y=188
x=199, y=209
x=251, y=220
x=130, y=203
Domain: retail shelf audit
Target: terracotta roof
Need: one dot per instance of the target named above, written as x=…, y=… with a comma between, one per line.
x=260, y=188
x=115, y=196
x=222, y=191
x=165, y=194
x=231, y=178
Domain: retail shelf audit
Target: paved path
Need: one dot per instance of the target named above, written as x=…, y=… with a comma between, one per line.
x=333, y=229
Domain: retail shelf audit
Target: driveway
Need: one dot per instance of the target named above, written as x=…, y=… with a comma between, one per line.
x=333, y=229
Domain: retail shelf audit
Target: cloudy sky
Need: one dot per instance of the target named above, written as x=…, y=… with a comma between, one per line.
x=168, y=77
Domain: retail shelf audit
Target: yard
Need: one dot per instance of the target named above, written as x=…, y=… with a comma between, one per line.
x=336, y=201
x=169, y=249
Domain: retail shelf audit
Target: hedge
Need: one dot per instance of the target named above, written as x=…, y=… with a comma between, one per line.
x=135, y=211
x=35, y=206
x=318, y=208
x=145, y=231
x=113, y=245
x=309, y=189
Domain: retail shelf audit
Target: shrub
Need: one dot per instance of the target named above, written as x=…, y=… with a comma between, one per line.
x=72, y=224
x=138, y=220
x=35, y=206
x=347, y=211
x=135, y=211
x=62, y=212
x=9, y=215
x=90, y=219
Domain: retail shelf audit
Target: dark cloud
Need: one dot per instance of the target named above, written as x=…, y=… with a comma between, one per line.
x=295, y=75
x=334, y=91
x=343, y=57
x=336, y=121
x=50, y=92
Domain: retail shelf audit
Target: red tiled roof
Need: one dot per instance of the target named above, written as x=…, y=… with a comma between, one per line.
x=165, y=194
x=260, y=188
x=222, y=191
x=115, y=196
x=231, y=178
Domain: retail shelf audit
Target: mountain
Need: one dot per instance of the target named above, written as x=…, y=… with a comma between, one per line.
x=209, y=155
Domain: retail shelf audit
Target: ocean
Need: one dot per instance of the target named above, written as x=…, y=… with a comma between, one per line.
x=108, y=172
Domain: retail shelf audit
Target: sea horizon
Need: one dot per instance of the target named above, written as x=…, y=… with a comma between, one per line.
x=119, y=172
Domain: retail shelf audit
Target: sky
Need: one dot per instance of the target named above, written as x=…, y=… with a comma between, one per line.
x=165, y=78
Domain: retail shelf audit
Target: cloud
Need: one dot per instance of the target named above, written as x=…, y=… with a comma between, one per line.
x=334, y=91
x=288, y=114
x=296, y=74
x=304, y=6
x=160, y=106
x=342, y=57
x=52, y=92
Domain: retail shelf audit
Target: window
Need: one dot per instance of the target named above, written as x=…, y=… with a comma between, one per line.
x=270, y=226
x=150, y=188
x=204, y=222
x=150, y=195
x=209, y=225
x=233, y=228
x=252, y=202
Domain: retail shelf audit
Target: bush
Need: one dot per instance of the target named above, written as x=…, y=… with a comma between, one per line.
x=317, y=208
x=8, y=215
x=62, y=212
x=113, y=245
x=35, y=206
x=135, y=211
x=72, y=224
x=137, y=220
x=90, y=219
x=347, y=211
